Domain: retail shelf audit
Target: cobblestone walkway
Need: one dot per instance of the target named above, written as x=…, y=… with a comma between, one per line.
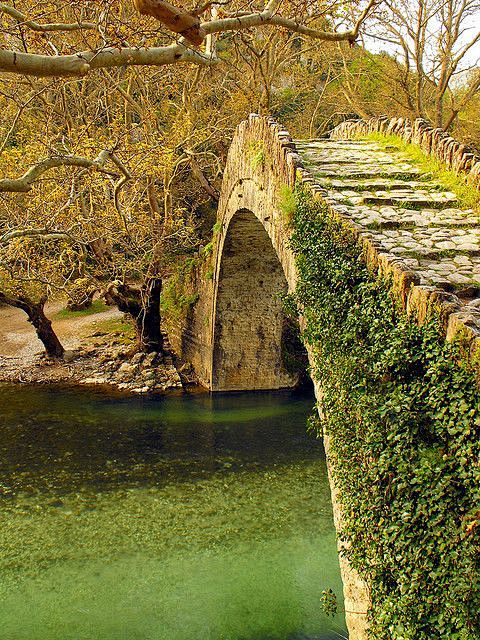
x=408, y=214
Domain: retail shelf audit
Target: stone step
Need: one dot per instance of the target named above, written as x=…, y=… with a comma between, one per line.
x=390, y=217
x=342, y=145
x=414, y=201
x=460, y=274
x=328, y=146
x=428, y=242
x=350, y=160
x=406, y=224
x=333, y=171
x=328, y=142
x=376, y=185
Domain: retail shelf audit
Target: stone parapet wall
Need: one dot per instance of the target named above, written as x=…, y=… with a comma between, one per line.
x=432, y=140
x=252, y=138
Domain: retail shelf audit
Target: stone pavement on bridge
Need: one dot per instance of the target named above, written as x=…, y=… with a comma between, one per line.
x=407, y=214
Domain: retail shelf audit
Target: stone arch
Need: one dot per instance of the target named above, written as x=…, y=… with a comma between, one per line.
x=253, y=264
x=261, y=167
x=249, y=322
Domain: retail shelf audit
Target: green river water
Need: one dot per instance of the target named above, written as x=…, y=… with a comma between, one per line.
x=180, y=518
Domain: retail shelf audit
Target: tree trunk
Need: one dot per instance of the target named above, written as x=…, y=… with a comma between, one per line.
x=151, y=336
x=45, y=332
x=439, y=111
x=42, y=325
x=143, y=305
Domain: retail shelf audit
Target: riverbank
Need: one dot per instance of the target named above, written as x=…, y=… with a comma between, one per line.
x=100, y=351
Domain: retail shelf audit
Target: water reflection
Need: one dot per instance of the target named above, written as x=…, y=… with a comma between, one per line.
x=183, y=517
x=67, y=439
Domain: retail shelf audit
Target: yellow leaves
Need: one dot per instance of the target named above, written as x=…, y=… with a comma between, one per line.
x=473, y=523
x=470, y=528
x=31, y=289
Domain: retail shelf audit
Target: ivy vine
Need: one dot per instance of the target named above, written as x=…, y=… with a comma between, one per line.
x=402, y=411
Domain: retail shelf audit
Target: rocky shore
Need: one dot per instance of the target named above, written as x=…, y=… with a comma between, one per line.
x=100, y=351
x=106, y=365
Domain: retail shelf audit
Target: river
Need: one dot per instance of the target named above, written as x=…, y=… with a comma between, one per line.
x=190, y=517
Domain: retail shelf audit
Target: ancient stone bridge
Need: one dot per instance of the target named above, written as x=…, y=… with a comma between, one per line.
x=407, y=223
x=409, y=227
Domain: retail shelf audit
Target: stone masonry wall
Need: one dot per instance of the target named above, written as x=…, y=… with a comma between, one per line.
x=189, y=331
x=261, y=161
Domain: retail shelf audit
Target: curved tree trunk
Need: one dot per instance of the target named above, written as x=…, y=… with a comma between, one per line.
x=36, y=316
x=143, y=305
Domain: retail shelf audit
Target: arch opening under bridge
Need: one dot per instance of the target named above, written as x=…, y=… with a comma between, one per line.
x=254, y=342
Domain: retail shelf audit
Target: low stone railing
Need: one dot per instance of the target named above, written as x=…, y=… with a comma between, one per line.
x=432, y=140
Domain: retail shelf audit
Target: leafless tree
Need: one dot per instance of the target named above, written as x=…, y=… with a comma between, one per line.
x=438, y=41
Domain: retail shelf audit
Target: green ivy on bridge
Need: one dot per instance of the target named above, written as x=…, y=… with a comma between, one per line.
x=401, y=407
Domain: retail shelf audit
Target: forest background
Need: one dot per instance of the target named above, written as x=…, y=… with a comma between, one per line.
x=116, y=119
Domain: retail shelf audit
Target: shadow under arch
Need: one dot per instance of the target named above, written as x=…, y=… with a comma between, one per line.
x=251, y=331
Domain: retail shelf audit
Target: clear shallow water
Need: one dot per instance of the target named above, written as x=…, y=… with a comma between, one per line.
x=177, y=518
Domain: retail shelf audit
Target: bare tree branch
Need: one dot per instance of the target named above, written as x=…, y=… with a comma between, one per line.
x=25, y=183
x=268, y=17
x=35, y=26
x=81, y=63
x=45, y=233
x=175, y=19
